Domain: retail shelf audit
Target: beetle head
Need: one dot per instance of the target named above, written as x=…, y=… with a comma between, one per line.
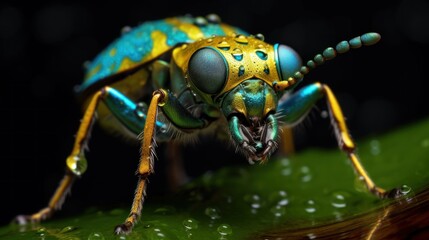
x=239, y=74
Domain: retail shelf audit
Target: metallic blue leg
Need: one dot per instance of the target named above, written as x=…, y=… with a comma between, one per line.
x=126, y=111
x=296, y=107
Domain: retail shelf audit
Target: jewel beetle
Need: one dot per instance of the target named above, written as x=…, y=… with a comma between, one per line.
x=178, y=78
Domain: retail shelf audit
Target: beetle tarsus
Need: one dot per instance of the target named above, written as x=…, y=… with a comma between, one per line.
x=124, y=228
x=23, y=219
x=394, y=193
x=35, y=218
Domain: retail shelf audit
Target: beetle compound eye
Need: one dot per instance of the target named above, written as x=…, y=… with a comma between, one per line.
x=208, y=70
x=287, y=60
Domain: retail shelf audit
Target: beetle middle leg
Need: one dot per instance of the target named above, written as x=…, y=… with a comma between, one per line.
x=296, y=107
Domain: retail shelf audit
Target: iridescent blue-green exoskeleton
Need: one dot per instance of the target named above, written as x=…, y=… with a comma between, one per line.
x=178, y=78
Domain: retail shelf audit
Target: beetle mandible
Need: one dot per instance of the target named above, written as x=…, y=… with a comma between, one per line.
x=202, y=76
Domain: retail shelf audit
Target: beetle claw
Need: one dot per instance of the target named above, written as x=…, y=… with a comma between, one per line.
x=124, y=228
x=23, y=219
x=394, y=193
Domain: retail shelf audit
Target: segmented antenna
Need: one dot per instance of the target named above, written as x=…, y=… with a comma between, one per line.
x=329, y=53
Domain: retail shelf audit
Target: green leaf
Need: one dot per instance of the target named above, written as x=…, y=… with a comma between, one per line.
x=310, y=194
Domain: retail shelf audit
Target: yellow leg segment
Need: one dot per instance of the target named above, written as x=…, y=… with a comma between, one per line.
x=76, y=164
x=287, y=145
x=145, y=165
x=346, y=144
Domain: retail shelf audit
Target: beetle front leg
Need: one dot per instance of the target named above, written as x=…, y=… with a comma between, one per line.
x=297, y=106
x=145, y=165
x=181, y=118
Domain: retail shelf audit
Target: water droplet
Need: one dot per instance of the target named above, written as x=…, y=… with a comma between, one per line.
x=237, y=54
x=96, y=236
x=200, y=21
x=279, y=198
x=224, y=229
x=224, y=46
x=311, y=236
x=262, y=54
x=305, y=174
x=305, y=169
x=254, y=202
x=190, y=223
x=212, y=213
x=241, y=39
x=68, y=229
x=252, y=198
x=266, y=69
x=405, y=189
x=163, y=128
x=126, y=29
x=375, y=147
x=241, y=70
x=310, y=206
x=77, y=163
x=159, y=234
x=213, y=18
x=278, y=210
x=285, y=162
x=324, y=114
x=286, y=168
x=339, y=199
x=425, y=143
x=41, y=232
x=255, y=205
x=260, y=36
x=210, y=40
x=360, y=184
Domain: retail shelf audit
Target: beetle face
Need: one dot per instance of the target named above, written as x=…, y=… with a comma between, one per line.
x=250, y=109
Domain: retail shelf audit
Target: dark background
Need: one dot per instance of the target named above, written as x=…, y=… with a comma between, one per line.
x=43, y=48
